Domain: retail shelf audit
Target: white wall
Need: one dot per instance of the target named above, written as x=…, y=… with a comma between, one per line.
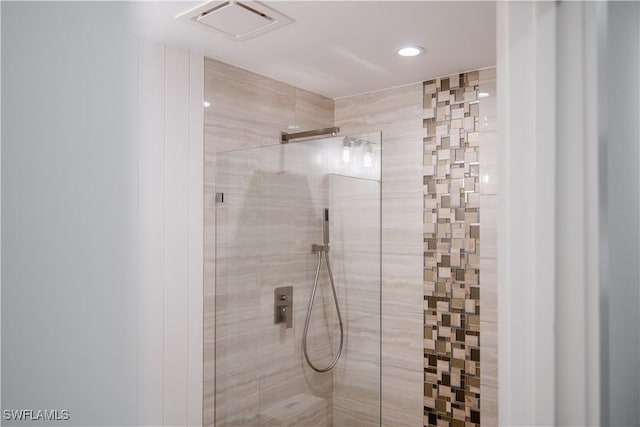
x=569, y=229
x=526, y=206
x=102, y=218
x=69, y=203
x=170, y=168
x=621, y=284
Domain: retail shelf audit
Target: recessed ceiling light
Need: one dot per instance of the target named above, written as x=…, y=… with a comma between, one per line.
x=410, y=51
x=483, y=95
x=293, y=127
x=207, y=104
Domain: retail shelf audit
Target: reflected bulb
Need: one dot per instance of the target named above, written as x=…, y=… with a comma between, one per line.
x=368, y=160
x=346, y=154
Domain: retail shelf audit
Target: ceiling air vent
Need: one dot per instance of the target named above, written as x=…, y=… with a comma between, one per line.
x=237, y=20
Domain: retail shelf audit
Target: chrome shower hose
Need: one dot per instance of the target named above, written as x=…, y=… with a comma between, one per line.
x=306, y=323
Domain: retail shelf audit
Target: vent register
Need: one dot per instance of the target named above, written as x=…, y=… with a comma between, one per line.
x=236, y=20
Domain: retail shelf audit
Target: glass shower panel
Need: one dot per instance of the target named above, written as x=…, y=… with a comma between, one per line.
x=272, y=212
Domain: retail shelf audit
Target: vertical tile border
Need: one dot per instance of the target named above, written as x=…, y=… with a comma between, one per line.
x=451, y=220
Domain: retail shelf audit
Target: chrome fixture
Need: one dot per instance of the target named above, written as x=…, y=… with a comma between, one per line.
x=283, y=305
x=322, y=249
x=286, y=137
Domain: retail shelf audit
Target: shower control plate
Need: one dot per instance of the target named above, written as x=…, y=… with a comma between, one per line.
x=283, y=305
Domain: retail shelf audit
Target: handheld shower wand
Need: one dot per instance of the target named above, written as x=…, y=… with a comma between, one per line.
x=323, y=249
x=325, y=227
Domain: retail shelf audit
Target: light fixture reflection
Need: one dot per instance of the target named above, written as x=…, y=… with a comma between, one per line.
x=346, y=153
x=207, y=104
x=358, y=153
x=368, y=156
x=483, y=95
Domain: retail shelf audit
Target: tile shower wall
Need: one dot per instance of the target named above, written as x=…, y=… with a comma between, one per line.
x=452, y=183
x=488, y=240
x=246, y=110
x=355, y=258
x=397, y=112
x=270, y=216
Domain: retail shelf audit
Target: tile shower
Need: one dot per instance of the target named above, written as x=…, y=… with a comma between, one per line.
x=272, y=213
x=438, y=267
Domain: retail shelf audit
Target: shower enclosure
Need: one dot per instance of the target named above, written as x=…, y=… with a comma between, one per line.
x=297, y=292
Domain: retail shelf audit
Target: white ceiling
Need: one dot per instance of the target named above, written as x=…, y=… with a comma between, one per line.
x=342, y=48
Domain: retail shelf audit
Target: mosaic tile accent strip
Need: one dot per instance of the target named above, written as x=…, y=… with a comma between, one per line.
x=451, y=251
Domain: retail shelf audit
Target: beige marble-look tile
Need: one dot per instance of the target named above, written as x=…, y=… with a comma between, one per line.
x=393, y=111
x=488, y=405
x=208, y=412
x=278, y=227
x=235, y=172
x=488, y=158
x=237, y=299
x=352, y=236
x=357, y=280
x=292, y=159
x=313, y=111
x=209, y=161
x=402, y=283
x=247, y=110
x=238, y=231
x=307, y=222
x=238, y=406
x=402, y=169
x=354, y=215
x=348, y=416
x=356, y=397
x=284, y=185
x=488, y=226
x=281, y=385
x=402, y=339
x=402, y=226
x=402, y=396
x=208, y=381
x=487, y=75
x=489, y=353
x=209, y=269
x=488, y=86
x=488, y=290
x=300, y=409
x=362, y=340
